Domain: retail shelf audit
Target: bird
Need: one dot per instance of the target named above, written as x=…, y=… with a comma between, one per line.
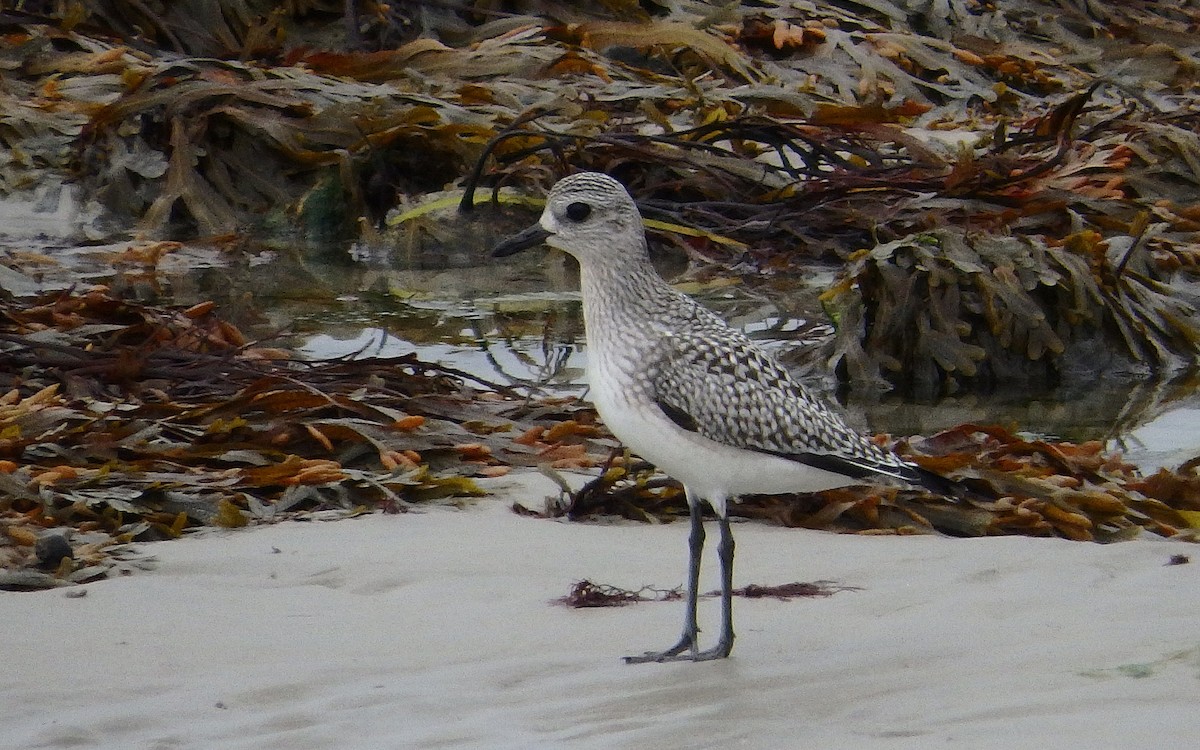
x=691, y=395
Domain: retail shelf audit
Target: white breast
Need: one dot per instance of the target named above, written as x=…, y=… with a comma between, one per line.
x=710, y=470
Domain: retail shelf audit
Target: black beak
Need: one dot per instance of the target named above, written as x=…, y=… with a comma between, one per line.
x=534, y=235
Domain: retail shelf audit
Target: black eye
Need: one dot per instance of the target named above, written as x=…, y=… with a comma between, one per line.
x=578, y=211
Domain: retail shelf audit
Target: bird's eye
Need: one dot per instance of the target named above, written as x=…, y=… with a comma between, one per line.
x=578, y=211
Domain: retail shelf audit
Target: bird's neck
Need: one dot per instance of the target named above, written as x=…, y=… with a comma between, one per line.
x=626, y=294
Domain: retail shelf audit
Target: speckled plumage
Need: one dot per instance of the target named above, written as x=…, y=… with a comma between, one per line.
x=687, y=392
x=739, y=396
x=671, y=354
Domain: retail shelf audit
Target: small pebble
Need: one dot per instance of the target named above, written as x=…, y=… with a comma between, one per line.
x=52, y=549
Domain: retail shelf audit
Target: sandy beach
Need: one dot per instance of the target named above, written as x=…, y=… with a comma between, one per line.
x=439, y=628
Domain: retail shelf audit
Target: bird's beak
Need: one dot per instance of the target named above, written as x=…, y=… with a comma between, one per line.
x=534, y=235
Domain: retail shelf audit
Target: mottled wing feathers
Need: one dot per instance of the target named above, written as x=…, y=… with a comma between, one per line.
x=712, y=380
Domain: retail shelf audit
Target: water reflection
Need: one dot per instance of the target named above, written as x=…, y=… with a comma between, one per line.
x=519, y=322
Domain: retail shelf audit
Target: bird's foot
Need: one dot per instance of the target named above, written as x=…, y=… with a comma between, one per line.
x=685, y=650
x=687, y=642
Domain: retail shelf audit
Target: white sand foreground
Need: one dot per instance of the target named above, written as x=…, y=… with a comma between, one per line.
x=437, y=629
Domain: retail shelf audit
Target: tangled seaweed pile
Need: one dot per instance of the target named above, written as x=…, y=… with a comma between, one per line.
x=831, y=123
x=587, y=594
x=123, y=422
x=774, y=132
x=942, y=310
x=1014, y=486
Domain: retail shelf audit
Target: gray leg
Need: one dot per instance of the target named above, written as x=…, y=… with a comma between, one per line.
x=687, y=641
x=725, y=643
x=685, y=649
x=725, y=553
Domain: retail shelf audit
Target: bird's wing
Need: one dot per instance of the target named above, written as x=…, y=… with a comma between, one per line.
x=715, y=382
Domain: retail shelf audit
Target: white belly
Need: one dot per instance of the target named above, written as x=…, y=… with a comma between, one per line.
x=710, y=470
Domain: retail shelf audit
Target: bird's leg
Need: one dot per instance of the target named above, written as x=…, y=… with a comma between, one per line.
x=725, y=642
x=725, y=555
x=687, y=641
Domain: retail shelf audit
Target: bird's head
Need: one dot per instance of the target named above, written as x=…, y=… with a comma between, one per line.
x=589, y=215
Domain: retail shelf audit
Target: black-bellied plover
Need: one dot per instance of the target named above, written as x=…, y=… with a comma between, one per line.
x=688, y=393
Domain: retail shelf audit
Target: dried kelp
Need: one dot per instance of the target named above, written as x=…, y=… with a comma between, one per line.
x=1017, y=295
x=585, y=593
x=123, y=422
x=847, y=177
x=868, y=101
x=1011, y=485
x=787, y=591
x=776, y=131
x=938, y=311
x=317, y=144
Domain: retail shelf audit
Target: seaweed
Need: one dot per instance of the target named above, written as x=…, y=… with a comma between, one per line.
x=122, y=422
x=1011, y=485
x=947, y=310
